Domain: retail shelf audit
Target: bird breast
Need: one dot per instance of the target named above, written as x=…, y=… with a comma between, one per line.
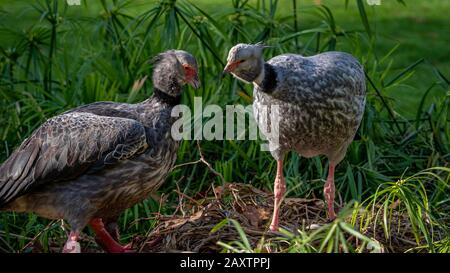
x=320, y=101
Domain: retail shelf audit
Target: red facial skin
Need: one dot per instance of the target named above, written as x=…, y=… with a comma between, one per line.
x=189, y=72
x=232, y=66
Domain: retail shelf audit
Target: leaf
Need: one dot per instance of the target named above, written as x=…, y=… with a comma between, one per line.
x=421, y=104
x=404, y=71
x=219, y=225
x=241, y=234
x=363, y=15
x=441, y=76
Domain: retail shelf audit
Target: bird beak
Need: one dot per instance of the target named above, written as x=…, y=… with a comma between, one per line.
x=194, y=82
x=230, y=67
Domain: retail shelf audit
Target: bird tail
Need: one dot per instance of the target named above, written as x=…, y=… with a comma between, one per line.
x=15, y=171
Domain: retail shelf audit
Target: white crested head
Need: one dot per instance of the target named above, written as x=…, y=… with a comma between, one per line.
x=245, y=51
x=245, y=61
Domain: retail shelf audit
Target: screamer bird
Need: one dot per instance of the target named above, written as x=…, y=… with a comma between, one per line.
x=91, y=163
x=320, y=102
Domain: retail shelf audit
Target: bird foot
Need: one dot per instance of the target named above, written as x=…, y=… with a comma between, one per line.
x=72, y=247
x=116, y=248
x=106, y=241
x=128, y=248
x=331, y=215
x=274, y=227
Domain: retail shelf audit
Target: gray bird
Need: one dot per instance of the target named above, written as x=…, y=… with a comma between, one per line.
x=91, y=163
x=320, y=102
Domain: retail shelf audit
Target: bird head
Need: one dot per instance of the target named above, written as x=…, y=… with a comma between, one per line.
x=190, y=67
x=245, y=61
x=173, y=69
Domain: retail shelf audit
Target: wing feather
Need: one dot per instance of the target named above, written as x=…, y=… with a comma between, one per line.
x=66, y=147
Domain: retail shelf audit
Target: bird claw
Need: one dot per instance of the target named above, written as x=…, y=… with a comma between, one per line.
x=331, y=219
x=331, y=216
x=72, y=247
x=128, y=248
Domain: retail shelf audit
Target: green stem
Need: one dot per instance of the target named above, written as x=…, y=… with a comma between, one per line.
x=294, y=3
x=390, y=112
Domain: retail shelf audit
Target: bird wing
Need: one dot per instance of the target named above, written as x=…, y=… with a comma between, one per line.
x=107, y=108
x=329, y=74
x=68, y=146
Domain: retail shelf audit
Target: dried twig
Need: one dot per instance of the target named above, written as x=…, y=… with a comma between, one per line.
x=202, y=160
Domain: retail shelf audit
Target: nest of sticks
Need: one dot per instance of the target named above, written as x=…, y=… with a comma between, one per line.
x=193, y=227
x=190, y=228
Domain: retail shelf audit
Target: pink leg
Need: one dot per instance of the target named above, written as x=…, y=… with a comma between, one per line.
x=72, y=245
x=279, y=190
x=108, y=243
x=329, y=191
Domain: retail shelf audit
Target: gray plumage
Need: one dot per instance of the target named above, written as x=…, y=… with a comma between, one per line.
x=321, y=98
x=97, y=160
x=320, y=102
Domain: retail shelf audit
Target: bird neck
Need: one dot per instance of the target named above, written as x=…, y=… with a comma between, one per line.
x=160, y=103
x=155, y=112
x=267, y=79
x=164, y=97
x=167, y=83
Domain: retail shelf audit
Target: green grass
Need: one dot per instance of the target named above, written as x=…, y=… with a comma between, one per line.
x=53, y=58
x=419, y=29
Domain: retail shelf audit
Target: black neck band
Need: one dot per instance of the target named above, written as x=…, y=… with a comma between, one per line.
x=269, y=82
x=166, y=98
